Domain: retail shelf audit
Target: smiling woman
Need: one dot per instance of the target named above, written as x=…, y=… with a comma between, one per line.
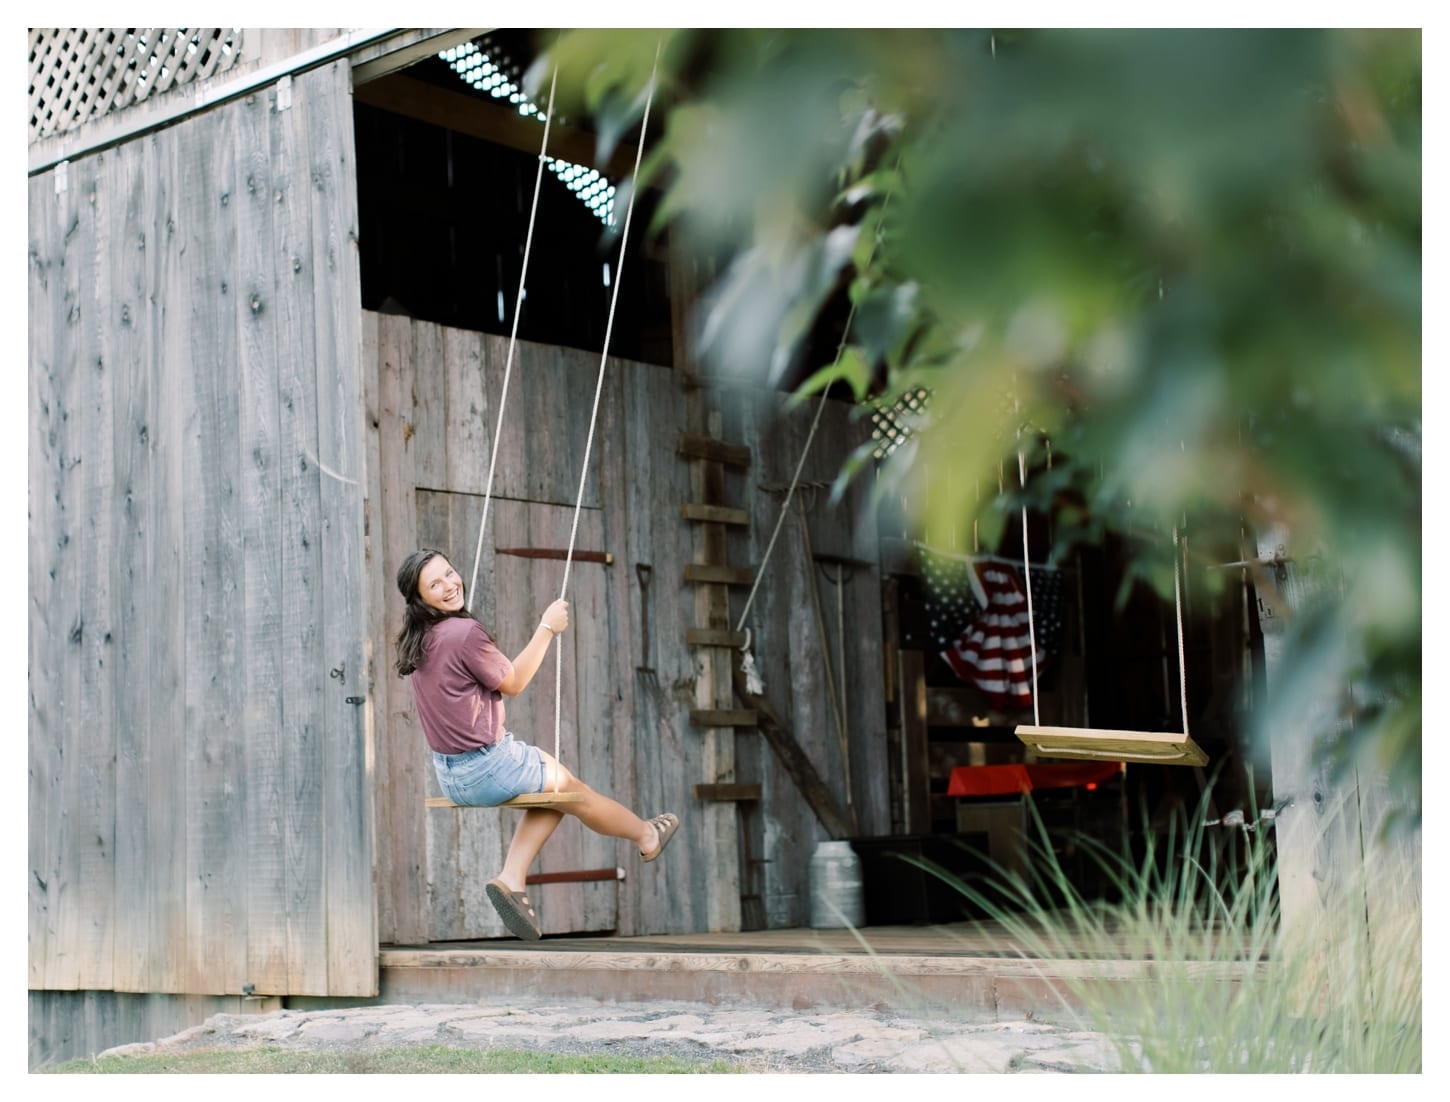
x=459, y=680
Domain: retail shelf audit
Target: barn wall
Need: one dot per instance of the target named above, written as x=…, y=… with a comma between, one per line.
x=74, y=1025
x=629, y=679
x=199, y=813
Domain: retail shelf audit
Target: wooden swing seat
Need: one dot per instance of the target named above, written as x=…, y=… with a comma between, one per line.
x=528, y=799
x=1097, y=744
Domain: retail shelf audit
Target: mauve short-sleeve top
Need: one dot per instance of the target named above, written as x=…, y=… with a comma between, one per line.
x=455, y=687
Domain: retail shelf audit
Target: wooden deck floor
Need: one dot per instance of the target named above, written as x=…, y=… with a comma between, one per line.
x=968, y=969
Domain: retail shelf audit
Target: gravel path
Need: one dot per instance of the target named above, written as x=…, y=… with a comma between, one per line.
x=764, y=1041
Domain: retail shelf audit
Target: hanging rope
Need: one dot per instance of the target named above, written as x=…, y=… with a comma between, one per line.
x=1032, y=633
x=754, y=682
x=598, y=390
x=1027, y=585
x=513, y=334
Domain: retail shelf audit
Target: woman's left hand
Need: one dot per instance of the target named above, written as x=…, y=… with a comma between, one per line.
x=556, y=617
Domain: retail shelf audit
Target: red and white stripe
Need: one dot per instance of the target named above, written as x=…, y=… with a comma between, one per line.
x=994, y=653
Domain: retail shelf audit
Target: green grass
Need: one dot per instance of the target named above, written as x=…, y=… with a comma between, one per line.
x=1228, y=991
x=431, y=1059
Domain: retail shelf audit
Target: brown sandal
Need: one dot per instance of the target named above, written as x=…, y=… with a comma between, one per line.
x=665, y=826
x=515, y=910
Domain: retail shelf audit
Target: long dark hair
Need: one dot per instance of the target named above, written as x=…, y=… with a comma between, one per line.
x=417, y=616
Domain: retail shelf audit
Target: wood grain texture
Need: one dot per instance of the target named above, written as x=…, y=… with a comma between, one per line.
x=215, y=909
x=707, y=573
x=349, y=914
x=1084, y=743
x=262, y=594
x=304, y=670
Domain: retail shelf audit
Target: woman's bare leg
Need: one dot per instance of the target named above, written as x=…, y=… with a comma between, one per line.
x=534, y=829
x=599, y=813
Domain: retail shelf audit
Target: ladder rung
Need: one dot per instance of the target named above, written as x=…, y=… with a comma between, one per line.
x=714, y=637
x=724, y=717
x=725, y=575
x=706, y=447
x=715, y=514
x=727, y=792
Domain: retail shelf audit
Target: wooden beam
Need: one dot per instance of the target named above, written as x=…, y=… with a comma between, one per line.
x=705, y=447
x=797, y=763
x=723, y=575
x=560, y=553
x=715, y=514
x=915, y=768
x=488, y=121
x=724, y=793
x=714, y=637
x=723, y=717
x=377, y=61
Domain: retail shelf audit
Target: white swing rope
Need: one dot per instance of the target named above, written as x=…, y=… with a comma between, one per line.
x=752, y=678
x=1031, y=629
x=598, y=390
x=513, y=334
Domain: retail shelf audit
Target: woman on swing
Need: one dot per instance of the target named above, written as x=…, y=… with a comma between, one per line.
x=459, y=680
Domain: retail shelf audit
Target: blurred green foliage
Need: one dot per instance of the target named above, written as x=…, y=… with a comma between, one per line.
x=1189, y=259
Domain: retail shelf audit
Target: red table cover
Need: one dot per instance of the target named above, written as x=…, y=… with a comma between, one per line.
x=1014, y=779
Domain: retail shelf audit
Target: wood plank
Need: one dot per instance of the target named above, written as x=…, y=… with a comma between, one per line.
x=351, y=936
x=401, y=778
x=527, y=800
x=304, y=669
x=54, y=291
x=168, y=574
x=1098, y=744
x=262, y=595
x=380, y=673
x=915, y=769
x=699, y=573
x=649, y=762
x=695, y=445
x=714, y=757
x=796, y=763
x=723, y=717
x=559, y=554
x=469, y=396
x=715, y=514
x=213, y=739
x=104, y=343
x=67, y=931
x=714, y=637
x=727, y=793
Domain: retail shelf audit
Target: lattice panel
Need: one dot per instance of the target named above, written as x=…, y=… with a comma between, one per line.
x=892, y=426
x=82, y=73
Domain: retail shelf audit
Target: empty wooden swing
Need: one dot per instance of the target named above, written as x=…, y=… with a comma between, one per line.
x=1100, y=744
x=555, y=797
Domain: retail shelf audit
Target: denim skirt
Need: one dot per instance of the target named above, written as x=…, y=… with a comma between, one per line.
x=491, y=775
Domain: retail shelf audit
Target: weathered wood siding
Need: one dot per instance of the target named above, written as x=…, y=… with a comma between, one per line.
x=629, y=679
x=794, y=646
x=74, y=1025
x=199, y=813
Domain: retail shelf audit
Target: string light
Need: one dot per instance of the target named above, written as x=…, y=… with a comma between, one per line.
x=483, y=73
